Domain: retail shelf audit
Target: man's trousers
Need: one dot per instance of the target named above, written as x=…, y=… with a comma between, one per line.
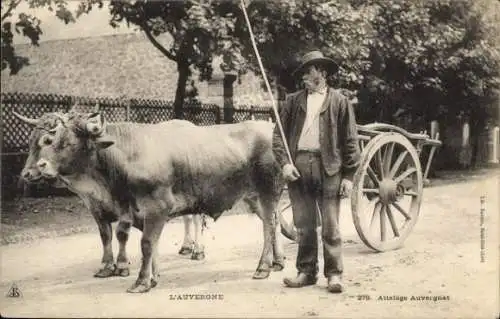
x=315, y=196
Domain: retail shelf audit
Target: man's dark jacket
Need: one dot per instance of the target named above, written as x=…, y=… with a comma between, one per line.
x=340, y=150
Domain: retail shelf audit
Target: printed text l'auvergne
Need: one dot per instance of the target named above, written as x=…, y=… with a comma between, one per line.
x=205, y=296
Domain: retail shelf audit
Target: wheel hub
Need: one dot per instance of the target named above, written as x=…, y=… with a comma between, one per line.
x=400, y=191
x=388, y=190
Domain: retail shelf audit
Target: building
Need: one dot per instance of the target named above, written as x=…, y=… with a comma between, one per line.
x=121, y=65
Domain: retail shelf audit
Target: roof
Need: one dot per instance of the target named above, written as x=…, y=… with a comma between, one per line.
x=113, y=66
x=97, y=66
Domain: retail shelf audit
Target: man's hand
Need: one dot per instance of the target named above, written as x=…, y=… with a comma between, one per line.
x=345, y=188
x=290, y=173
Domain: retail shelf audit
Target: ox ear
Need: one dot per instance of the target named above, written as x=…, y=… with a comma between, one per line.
x=104, y=141
x=96, y=125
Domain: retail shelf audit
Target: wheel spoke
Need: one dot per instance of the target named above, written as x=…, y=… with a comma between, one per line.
x=374, y=200
x=388, y=158
x=405, y=174
x=393, y=222
x=411, y=193
x=401, y=210
x=372, y=175
x=370, y=190
x=376, y=211
x=397, y=164
x=362, y=146
x=285, y=207
x=382, y=224
x=379, y=163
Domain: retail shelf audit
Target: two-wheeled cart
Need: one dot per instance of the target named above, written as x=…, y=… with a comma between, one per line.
x=387, y=186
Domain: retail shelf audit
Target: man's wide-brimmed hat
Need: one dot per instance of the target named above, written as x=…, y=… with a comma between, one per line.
x=315, y=58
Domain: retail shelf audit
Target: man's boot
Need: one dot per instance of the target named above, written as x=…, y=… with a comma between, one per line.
x=300, y=281
x=335, y=284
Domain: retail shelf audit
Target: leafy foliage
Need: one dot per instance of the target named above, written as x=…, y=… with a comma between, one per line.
x=284, y=30
x=26, y=25
x=195, y=33
x=431, y=59
x=423, y=59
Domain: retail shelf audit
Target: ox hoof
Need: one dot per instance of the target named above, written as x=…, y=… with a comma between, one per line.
x=261, y=274
x=185, y=251
x=198, y=255
x=278, y=266
x=122, y=272
x=154, y=281
x=105, y=272
x=139, y=287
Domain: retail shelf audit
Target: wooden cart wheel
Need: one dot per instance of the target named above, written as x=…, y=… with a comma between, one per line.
x=285, y=216
x=387, y=192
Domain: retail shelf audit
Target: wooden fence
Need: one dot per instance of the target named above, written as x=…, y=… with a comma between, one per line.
x=15, y=133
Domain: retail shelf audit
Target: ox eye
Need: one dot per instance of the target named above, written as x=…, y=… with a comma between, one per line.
x=46, y=140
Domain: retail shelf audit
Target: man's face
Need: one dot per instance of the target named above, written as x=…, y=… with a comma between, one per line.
x=313, y=77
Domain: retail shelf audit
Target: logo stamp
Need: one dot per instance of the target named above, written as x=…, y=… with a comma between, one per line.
x=14, y=291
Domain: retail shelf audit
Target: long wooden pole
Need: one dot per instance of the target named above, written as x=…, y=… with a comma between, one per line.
x=275, y=109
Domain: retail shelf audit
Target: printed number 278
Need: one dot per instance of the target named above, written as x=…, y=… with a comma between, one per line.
x=363, y=297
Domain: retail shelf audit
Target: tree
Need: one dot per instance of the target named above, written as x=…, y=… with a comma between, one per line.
x=424, y=59
x=471, y=73
x=284, y=30
x=430, y=59
x=26, y=25
x=195, y=33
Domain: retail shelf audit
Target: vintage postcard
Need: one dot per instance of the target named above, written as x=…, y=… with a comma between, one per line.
x=250, y=159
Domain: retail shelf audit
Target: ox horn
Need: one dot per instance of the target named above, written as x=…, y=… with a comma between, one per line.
x=26, y=119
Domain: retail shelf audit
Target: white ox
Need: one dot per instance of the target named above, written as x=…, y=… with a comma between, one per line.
x=146, y=174
x=192, y=243
x=193, y=224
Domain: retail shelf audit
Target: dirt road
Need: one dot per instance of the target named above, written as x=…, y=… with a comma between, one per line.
x=441, y=260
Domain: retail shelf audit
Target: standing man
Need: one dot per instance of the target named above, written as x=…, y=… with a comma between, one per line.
x=320, y=128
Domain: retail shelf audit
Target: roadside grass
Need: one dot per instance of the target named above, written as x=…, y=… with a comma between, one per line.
x=27, y=219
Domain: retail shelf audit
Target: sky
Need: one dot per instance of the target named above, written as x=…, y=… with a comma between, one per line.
x=96, y=23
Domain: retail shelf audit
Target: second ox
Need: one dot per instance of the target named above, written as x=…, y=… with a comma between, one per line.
x=193, y=224
x=152, y=173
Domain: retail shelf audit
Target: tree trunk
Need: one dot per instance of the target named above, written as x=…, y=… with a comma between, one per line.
x=180, y=93
x=475, y=138
x=229, y=79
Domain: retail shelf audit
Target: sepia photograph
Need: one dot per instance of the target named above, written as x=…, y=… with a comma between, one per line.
x=250, y=159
